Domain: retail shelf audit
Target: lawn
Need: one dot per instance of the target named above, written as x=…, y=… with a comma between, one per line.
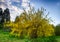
x=58, y=38
x=6, y=37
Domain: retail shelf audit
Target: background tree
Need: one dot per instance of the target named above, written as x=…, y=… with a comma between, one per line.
x=1, y=15
x=6, y=15
x=57, y=30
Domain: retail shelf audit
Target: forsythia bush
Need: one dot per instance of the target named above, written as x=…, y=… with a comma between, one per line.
x=31, y=24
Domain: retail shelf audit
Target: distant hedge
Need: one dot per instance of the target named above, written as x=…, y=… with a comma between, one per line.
x=57, y=30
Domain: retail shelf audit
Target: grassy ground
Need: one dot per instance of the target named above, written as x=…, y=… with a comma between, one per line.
x=5, y=37
x=58, y=38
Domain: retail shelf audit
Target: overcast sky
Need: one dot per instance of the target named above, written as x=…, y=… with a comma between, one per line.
x=15, y=6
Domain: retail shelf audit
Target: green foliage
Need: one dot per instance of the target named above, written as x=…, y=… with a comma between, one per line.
x=57, y=30
x=1, y=26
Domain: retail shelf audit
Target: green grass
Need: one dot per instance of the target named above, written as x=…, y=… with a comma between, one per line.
x=6, y=37
x=58, y=38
